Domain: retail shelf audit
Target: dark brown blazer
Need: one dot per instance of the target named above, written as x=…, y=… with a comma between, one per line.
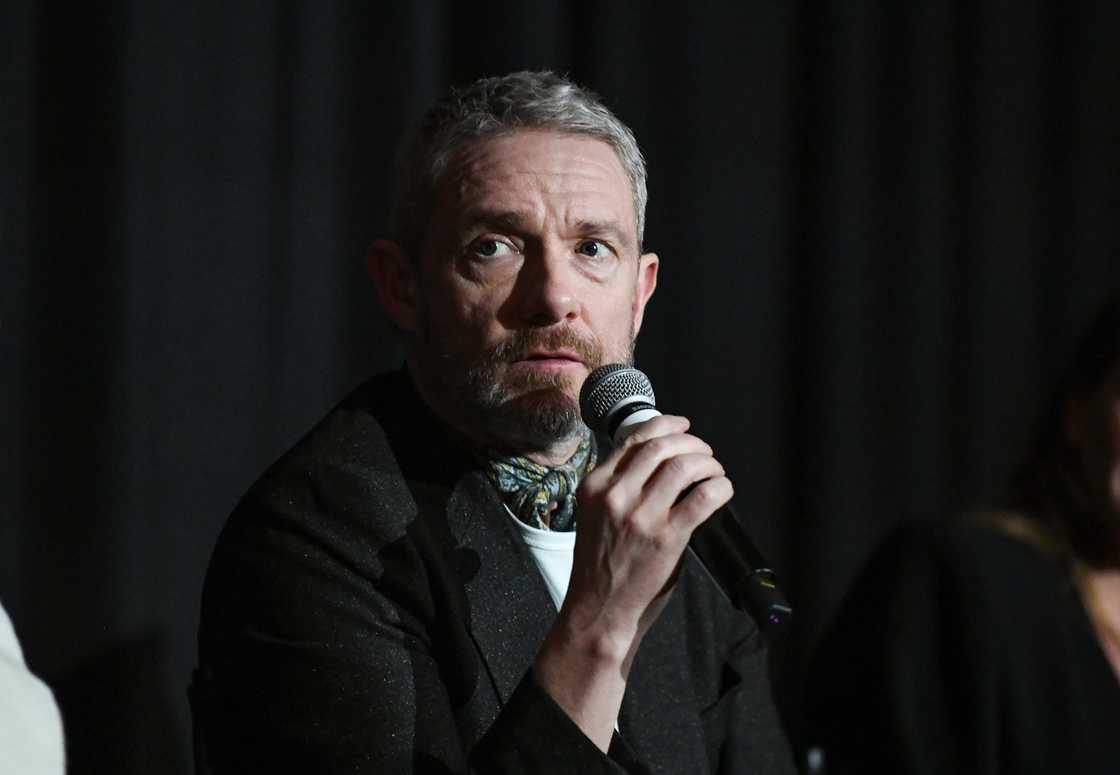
x=370, y=608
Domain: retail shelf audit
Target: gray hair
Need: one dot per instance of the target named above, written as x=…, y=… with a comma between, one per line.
x=491, y=107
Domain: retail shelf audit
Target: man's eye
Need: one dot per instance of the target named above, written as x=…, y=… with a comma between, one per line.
x=592, y=248
x=490, y=248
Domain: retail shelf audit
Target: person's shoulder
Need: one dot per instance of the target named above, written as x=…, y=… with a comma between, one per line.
x=31, y=734
x=984, y=535
x=341, y=475
x=965, y=563
x=331, y=507
x=990, y=556
x=353, y=432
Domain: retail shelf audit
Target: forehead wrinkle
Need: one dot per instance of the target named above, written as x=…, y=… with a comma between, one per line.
x=512, y=220
x=516, y=190
x=469, y=182
x=561, y=173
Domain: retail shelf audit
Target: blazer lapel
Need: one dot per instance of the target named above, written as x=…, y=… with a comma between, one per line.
x=510, y=609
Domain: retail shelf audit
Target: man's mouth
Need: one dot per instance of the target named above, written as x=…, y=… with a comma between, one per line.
x=551, y=358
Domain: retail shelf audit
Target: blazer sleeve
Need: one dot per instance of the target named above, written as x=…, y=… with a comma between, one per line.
x=533, y=734
x=325, y=649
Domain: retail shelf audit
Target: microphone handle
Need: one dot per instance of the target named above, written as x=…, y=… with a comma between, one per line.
x=738, y=570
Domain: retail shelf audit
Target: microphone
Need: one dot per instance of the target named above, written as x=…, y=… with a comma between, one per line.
x=615, y=400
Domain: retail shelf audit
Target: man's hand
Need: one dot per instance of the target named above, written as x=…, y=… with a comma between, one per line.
x=633, y=528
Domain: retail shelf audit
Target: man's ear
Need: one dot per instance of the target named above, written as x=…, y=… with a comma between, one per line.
x=392, y=273
x=647, y=282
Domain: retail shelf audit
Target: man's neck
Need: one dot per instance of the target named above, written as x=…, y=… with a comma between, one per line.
x=553, y=455
x=558, y=454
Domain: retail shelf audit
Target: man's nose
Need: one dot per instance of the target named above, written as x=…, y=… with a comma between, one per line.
x=549, y=287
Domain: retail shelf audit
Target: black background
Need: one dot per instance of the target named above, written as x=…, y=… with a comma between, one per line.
x=880, y=225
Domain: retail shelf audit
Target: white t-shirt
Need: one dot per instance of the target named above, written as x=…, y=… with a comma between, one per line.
x=553, y=554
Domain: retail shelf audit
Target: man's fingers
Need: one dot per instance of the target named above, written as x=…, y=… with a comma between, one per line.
x=642, y=460
x=663, y=425
x=654, y=476
x=701, y=501
x=671, y=482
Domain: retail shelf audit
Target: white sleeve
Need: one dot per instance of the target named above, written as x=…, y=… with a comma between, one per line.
x=31, y=736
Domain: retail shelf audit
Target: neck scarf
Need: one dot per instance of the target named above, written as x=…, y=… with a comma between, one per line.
x=541, y=496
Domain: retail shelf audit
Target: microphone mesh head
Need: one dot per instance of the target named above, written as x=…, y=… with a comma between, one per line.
x=606, y=387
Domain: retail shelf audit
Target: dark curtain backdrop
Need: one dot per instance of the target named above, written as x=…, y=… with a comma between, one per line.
x=880, y=225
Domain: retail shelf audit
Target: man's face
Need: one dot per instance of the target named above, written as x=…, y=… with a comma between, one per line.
x=529, y=278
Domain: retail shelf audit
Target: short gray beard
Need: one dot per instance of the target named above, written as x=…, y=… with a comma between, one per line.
x=531, y=413
x=534, y=418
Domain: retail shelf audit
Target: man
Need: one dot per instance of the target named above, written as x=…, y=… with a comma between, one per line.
x=385, y=598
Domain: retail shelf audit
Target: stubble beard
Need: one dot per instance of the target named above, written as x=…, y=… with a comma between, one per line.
x=521, y=409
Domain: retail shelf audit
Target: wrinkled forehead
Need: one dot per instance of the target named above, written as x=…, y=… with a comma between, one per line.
x=524, y=171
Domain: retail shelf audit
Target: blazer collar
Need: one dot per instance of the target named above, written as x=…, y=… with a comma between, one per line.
x=510, y=610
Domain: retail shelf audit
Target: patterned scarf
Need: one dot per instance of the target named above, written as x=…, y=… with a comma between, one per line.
x=540, y=496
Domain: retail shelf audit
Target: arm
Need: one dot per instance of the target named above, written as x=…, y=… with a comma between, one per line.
x=328, y=645
x=632, y=533
x=334, y=648
x=315, y=667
